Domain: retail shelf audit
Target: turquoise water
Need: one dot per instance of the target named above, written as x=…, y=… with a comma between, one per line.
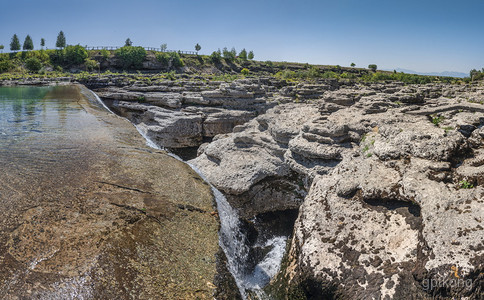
x=43, y=130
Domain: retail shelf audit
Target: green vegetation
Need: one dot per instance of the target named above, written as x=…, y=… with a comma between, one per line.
x=128, y=42
x=169, y=59
x=105, y=54
x=61, y=40
x=251, y=55
x=15, y=43
x=28, y=43
x=163, y=47
x=33, y=64
x=476, y=74
x=437, y=119
x=198, y=47
x=353, y=65
x=216, y=56
x=245, y=71
x=131, y=57
x=372, y=67
x=464, y=184
x=243, y=54
x=75, y=55
x=229, y=56
x=42, y=42
x=91, y=64
x=2, y=47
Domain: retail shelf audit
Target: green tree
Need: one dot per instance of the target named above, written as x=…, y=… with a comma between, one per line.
x=216, y=56
x=243, y=54
x=75, y=55
x=42, y=42
x=1, y=48
x=198, y=47
x=61, y=40
x=128, y=42
x=33, y=64
x=15, y=43
x=131, y=57
x=251, y=55
x=353, y=65
x=372, y=67
x=163, y=47
x=28, y=43
x=229, y=55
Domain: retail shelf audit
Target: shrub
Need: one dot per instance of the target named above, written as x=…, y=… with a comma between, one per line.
x=131, y=57
x=91, y=64
x=105, y=54
x=5, y=65
x=33, y=64
x=176, y=60
x=216, y=56
x=75, y=55
x=163, y=57
x=245, y=71
x=250, y=55
x=198, y=47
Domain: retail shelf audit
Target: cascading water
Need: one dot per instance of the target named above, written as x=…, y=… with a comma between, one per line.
x=232, y=239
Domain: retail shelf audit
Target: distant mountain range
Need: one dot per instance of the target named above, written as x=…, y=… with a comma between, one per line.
x=446, y=73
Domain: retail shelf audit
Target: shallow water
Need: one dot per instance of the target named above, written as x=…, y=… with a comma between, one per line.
x=82, y=194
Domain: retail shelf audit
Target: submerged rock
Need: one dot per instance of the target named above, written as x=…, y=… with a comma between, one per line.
x=90, y=212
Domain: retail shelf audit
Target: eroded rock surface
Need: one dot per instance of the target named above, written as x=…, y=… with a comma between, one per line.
x=387, y=177
x=394, y=180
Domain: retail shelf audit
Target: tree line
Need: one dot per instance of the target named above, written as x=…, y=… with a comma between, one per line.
x=29, y=44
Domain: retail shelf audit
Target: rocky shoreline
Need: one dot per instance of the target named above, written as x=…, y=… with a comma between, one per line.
x=387, y=178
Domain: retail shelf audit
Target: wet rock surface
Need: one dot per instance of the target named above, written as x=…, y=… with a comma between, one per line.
x=93, y=213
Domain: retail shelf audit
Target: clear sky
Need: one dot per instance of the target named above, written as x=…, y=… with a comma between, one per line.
x=424, y=35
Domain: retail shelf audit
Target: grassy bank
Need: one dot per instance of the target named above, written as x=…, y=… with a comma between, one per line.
x=78, y=63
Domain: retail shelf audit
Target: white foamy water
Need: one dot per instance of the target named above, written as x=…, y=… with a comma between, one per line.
x=232, y=240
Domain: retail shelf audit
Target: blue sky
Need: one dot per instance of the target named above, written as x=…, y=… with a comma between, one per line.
x=425, y=35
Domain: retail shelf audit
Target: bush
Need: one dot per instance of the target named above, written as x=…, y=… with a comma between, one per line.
x=74, y=55
x=245, y=71
x=171, y=59
x=163, y=57
x=131, y=57
x=372, y=67
x=33, y=64
x=105, y=54
x=216, y=56
x=91, y=64
x=5, y=65
x=176, y=60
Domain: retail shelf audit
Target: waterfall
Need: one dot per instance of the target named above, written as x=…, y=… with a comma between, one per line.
x=231, y=238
